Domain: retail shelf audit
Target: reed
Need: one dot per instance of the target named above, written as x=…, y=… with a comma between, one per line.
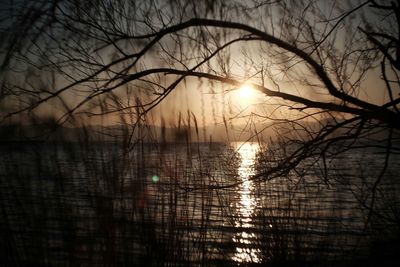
x=117, y=203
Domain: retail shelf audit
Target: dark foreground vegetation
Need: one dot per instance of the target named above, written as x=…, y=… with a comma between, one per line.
x=177, y=204
x=320, y=187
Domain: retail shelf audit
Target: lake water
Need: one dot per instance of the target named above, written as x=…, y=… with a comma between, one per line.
x=191, y=205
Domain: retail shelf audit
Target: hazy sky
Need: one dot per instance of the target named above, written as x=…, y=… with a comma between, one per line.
x=253, y=61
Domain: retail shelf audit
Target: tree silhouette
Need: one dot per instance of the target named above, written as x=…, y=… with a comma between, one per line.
x=330, y=72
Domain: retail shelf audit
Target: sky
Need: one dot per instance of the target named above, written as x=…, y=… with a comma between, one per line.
x=211, y=103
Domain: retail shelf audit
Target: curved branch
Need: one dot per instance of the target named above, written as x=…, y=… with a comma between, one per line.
x=379, y=113
x=318, y=69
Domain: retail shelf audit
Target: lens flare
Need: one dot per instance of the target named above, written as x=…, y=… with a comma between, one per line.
x=155, y=178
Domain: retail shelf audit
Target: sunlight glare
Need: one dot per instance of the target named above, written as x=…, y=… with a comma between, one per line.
x=246, y=91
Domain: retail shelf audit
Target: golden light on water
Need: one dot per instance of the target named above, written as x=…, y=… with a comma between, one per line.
x=245, y=249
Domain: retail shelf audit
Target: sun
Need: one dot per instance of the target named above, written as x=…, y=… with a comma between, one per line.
x=246, y=91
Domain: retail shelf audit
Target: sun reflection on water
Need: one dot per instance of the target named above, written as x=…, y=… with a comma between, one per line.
x=245, y=240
